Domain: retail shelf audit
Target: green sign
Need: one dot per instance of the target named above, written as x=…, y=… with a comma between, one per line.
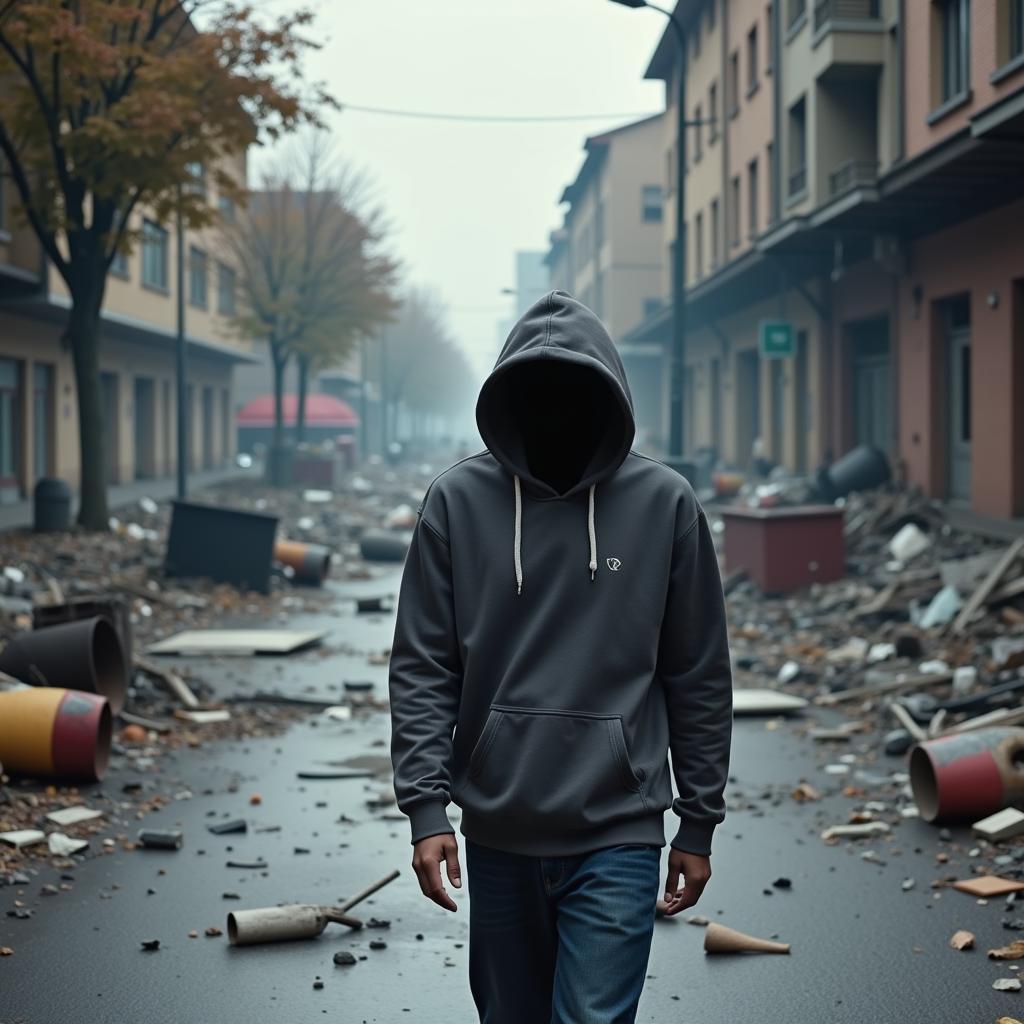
x=776, y=339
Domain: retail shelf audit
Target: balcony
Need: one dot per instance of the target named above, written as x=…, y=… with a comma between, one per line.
x=829, y=11
x=852, y=174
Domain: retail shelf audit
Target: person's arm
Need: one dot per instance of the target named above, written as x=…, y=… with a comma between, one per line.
x=694, y=667
x=424, y=681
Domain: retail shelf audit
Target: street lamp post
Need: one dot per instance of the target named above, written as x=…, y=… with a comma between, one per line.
x=676, y=457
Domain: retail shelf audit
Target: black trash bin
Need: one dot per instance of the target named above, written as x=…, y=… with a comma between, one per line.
x=51, y=505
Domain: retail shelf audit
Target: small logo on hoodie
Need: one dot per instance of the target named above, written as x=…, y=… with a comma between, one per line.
x=613, y=563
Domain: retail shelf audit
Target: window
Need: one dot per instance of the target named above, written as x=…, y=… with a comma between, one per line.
x=695, y=39
x=652, y=203
x=154, y=255
x=119, y=264
x=699, y=246
x=652, y=306
x=713, y=112
x=770, y=164
x=954, y=17
x=197, y=174
x=797, y=9
x=197, y=275
x=752, y=72
x=734, y=84
x=716, y=227
x=226, y=207
x=711, y=16
x=769, y=35
x=1016, y=31
x=797, y=148
x=734, y=212
x=225, y=290
x=752, y=198
x=698, y=135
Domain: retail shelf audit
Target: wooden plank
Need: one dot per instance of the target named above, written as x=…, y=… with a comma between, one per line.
x=987, y=585
x=893, y=686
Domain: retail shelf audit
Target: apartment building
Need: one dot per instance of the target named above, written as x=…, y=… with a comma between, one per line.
x=38, y=411
x=870, y=196
x=609, y=254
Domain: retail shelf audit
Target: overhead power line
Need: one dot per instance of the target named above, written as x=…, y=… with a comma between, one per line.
x=493, y=118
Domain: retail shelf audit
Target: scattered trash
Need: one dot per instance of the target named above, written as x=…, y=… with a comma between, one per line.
x=83, y=655
x=49, y=732
x=73, y=815
x=1014, y=951
x=909, y=542
x=988, y=885
x=238, y=642
x=226, y=545
x=940, y=611
x=967, y=775
x=962, y=940
x=1006, y=984
x=310, y=563
x=866, y=828
x=384, y=545
x=22, y=837
x=64, y=846
x=718, y=938
x=765, y=702
x=160, y=839
x=228, y=827
x=1004, y=824
x=297, y=921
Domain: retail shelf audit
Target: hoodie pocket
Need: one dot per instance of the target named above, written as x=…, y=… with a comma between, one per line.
x=561, y=771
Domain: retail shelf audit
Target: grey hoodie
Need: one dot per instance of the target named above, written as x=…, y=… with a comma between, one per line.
x=561, y=625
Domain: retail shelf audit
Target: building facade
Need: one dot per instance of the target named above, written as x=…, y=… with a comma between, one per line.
x=861, y=181
x=609, y=254
x=38, y=409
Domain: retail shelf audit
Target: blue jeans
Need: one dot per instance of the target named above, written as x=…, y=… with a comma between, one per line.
x=560, y=940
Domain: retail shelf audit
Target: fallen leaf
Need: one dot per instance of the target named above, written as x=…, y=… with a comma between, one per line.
x=962, y=940
x=1014, y=951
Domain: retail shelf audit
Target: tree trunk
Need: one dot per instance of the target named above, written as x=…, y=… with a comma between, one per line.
x=279, y=362
x=300, y=412
x=83, y=335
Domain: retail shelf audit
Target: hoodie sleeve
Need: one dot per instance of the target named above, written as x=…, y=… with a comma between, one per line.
x=693, y=661
x=424, y=682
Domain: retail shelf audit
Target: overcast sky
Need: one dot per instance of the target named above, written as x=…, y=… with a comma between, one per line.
x=464, y=197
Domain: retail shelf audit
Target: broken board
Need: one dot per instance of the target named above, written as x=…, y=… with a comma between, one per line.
x=754, y=701
x=238, y=642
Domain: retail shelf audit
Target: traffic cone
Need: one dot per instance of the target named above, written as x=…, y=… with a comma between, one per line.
x=720, y=939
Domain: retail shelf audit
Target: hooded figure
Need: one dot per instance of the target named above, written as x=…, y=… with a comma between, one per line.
x=560, y=624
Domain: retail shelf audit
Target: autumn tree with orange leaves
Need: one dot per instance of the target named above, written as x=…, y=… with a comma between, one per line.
x=104, y=107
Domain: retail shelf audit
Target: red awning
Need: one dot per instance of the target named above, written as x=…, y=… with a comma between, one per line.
x=321, y=411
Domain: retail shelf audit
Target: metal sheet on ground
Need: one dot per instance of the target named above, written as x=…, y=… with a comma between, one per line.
x=240, y=642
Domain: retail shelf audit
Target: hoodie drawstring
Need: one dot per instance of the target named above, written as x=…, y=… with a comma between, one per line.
x=518, y=552
x=593, y=532
x=519, y=538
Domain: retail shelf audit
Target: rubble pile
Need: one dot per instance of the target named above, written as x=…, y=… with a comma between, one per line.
x=126, y=565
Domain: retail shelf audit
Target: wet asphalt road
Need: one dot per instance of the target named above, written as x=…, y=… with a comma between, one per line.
x=863, y=950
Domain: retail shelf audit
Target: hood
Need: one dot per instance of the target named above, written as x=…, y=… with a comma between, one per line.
x=556, y=410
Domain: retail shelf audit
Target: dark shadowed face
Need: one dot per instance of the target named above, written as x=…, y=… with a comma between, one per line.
x=562, y=411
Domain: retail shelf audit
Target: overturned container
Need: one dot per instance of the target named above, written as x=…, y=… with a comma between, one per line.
x=968, y=775
x=311, y=563
x=85, y=655
x=54, y=733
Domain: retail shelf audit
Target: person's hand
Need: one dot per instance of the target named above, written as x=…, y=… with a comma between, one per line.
x=696, y=871
x=426, y=862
